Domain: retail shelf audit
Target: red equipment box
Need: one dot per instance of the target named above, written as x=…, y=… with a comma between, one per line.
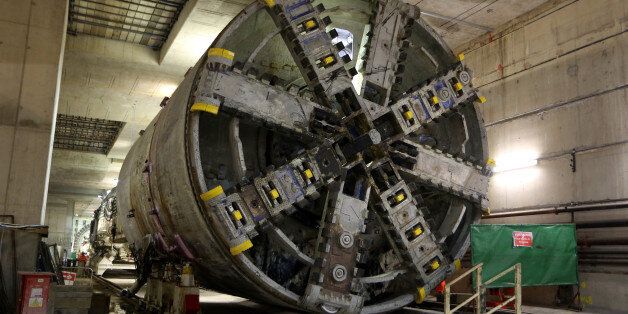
x=34, y=292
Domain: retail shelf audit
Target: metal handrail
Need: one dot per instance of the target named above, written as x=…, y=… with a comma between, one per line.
x=476, y=296
x=480, y=289
x=478, y=266
x=517, y=297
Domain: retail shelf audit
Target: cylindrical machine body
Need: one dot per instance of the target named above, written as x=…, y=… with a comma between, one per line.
x=156, y=188
x=183, y=154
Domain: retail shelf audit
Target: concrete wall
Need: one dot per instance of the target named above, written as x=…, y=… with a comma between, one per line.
x=558, y=83
x=32, y=35
x=555, y=82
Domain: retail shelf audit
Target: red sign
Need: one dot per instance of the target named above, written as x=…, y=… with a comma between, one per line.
x=69, y=277
x=522, y=239
x=34, y=295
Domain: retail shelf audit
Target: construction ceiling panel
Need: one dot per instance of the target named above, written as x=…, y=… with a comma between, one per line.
x=86, y=134
x=145, y=22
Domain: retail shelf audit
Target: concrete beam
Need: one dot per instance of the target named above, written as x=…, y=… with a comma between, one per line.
x=184, y=15
x=198, y=25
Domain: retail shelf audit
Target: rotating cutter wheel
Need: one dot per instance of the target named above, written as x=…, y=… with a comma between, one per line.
x=285, y=184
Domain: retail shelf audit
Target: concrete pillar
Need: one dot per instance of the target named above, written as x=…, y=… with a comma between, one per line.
x=32, y=39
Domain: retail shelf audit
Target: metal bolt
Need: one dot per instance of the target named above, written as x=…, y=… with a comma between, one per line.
x=464, y=77
x=346, y=240
x=375, y=136
x=327, y=308
x=339, y=273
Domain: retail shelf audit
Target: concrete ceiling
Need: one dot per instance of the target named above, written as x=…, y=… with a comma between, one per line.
x=113, y=80
x=117, y=80
x=459, y=21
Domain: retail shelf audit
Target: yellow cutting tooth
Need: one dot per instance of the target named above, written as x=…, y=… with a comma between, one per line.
x=409, y=115
x=328, y=60
x=308, y=174
x=237, y=215
x=274, y=194
x=435, y=264
x=310, y=25
x=212, y=193
x=239, y=249
x=458, y=86
x=417, y=232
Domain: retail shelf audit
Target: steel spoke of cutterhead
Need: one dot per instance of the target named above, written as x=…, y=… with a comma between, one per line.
x=330, y=284
x=223, y=89
x=303, y=31
x=441, y=171
x=399, y=212
x=387, y=51
x=270, y=195
x=439, y=96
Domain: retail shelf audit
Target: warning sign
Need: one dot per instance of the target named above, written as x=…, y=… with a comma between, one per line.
x=37, y=297
x=522, y=239
x=69, y=277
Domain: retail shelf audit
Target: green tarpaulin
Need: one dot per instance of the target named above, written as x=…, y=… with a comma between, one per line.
x=547, y=253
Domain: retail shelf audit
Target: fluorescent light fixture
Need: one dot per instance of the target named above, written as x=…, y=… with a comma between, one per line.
x=515, y=160
x=509, y=166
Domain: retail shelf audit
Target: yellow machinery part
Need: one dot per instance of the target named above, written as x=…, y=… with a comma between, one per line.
x=274, y=194
x=400, y=197
x=417, y=231
x=237, y=215
x=219, y=52
x=239, y=249
x=209, y=108
x=308, y=174
x=420, y=296
x=212, y=193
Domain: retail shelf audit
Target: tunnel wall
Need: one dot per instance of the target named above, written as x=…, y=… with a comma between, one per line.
x=555, y=80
